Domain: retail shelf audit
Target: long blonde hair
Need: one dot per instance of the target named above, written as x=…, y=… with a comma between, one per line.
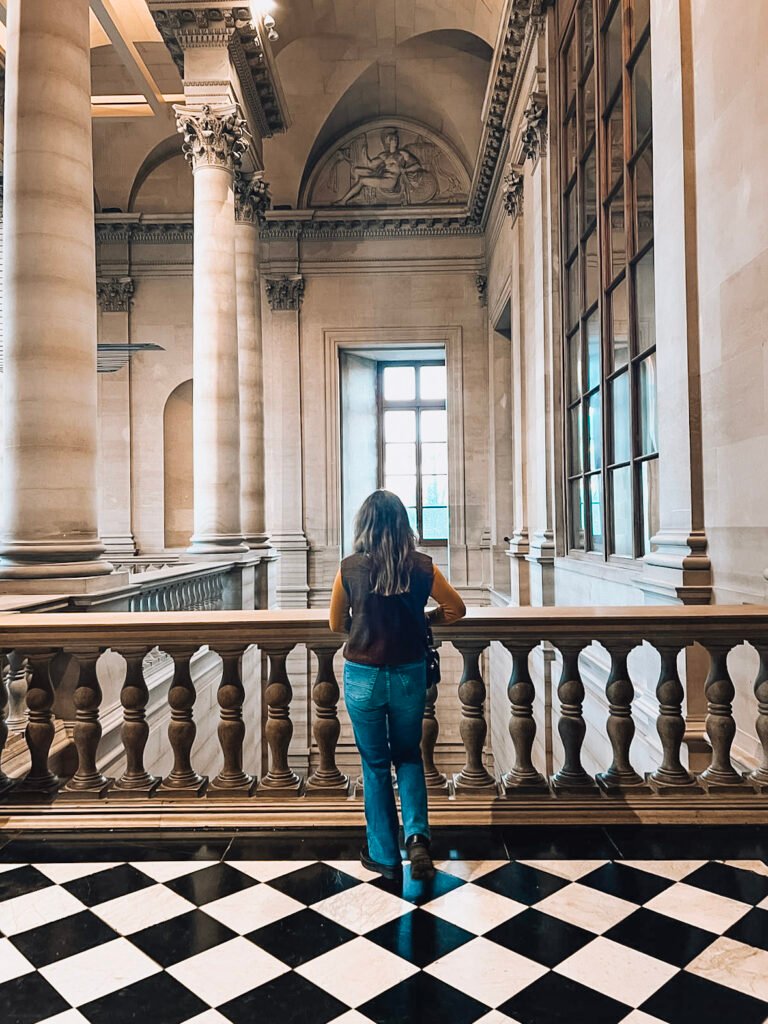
x=383, y=532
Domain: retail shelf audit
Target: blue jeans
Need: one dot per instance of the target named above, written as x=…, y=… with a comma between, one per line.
x=386, y=707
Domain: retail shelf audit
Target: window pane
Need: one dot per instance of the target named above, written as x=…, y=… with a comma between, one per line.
x=596, y=514
x=617, y=236
x=621, y=511
x=590, y=188
x=404, y=487
x=577, y=514
x=434, y=490
x=593, y=350
x=434, y=458
x=571, y=230
x=432, y=382
x=646, y=305
x=589, y=107
x=570, y=70
x=620, y=416
x=400, y=426
x=641, y=95
x=620, y=325
x=594, y=432
x=613, y=59
x=644, y=197
x=575, y=440
x=591, y=271
x=399, y=383
x=649, y=501
x=641, y=14
x=570, y=146
x=587, y=33
x=434, y=426
x=573, y=297
x=399, y=459
x=413, y=518
x=435, y=522
x=649, y=442
x=615, y=145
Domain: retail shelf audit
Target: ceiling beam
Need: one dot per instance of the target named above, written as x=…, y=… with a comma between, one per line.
x=129, y=54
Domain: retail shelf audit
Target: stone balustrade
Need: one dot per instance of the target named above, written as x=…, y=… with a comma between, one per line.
x=275, y=792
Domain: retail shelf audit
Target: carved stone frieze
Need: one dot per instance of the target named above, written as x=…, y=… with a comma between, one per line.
x=534, y=136
x=284, y=293
x=420, y=226
x=212, y=137
x=115, y=295
x=166, y=233
x=252, y=198
x=512, y=192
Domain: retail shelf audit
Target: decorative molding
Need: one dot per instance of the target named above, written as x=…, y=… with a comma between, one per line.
x=481, y=283
x=115, y=294
x=533, y=140
x=512, y=192
x=171, y=232
x=252, y=198
x=311, y=227
x=285, y=293
x=212, y=137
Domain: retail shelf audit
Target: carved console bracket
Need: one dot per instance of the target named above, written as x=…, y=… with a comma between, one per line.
x=481, y=283
x=252, y=198
x=115, y=295
x=533, y=140
x=285, y=293
x=512, y=192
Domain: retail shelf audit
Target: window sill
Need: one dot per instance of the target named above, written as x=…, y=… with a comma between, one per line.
x=623, y=572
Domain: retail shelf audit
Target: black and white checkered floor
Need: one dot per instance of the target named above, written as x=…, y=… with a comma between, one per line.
x=307, y=941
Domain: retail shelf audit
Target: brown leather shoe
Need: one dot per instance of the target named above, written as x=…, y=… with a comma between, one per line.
x=422, y=868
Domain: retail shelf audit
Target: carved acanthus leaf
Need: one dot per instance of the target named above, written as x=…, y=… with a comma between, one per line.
x=534, y=137
x=213, y=137
x=115, y=295
x=512, y=192
x=285, y=293
x=252, y=198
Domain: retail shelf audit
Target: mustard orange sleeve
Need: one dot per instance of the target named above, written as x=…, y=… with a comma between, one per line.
x=450, y=605
x=339, y=615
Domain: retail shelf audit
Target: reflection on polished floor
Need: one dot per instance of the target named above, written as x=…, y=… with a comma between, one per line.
x=533, y=926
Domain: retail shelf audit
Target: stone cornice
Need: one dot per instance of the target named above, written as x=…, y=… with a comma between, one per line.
x=114, y=229
x=252, y=198
x=279, y=226
x=213, y=137
x=285, y=292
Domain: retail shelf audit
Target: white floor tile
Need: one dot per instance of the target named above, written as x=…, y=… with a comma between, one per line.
x=165, y=870
x=496, y=1017
x=469, y=870
x=99, y=971
x=758, y=866
x=638, y=1017
x=353, y=868
x=362, y=908
x=476, y=909
x=357, y=971
x=227, y=971
x=68, y=1017
x=133, y=911
x=353, y=1017
x=10, y=867
x=61, y=873
x=266, y=870
x=37, y=908
x=486, y=971
x=735, y=965
x=698, y=907
x=617, y=971
x=573, y=870
x=12, y=963
x=587, y=908
x=677, y=870
x=208, y=1017
x=252, y=908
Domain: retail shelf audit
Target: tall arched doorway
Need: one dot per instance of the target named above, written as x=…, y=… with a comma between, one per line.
x=178, y=466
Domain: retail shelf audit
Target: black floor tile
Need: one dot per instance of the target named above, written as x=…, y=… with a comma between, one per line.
x=521, y=882
x=108, y=885
x=469, y=843
x=627, y=883
x=419, y=893
x=689, y=842
x=664, y=937
x=182, y=937
x=554, y=999
x=314, y=883
x=211, y=883
x=688, y=999
x=59, y=848
x=157, y=998
x=63, y=938
x=21, y=881
x=751, y=929
x=301, y=937
x=420, y=937
x=298, y=844
x=29, y=999
x=289, y=999
x=540, y=937
x=574, y=842
x=423, y=999
x=736, y=883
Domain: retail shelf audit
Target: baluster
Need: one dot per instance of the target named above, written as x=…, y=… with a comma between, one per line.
x=620, y=726
x=136, y=782
x=231, y=781
x=474, y=778
x=40, y=728
x=18, y=678
x=571, y=725
x=183, y=781
x=670, y=725
x=280, y=779
x=326, y=780
x=720, y=725
x=759, y=777
x=437, y=783
x=87, y=782
x=523, y=777
x=5, y=782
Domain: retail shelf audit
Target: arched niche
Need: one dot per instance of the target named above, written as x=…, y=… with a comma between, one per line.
x=164, y=181
x=178, y=471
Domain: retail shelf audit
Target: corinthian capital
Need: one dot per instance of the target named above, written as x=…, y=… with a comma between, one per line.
x=213, y=137
x=252, y=198
x=512, y=192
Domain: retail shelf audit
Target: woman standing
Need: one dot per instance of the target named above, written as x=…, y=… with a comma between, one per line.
x=378, y=598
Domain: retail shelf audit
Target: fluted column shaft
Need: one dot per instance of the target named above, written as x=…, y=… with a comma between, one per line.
x=49, y=511
x=214, y=140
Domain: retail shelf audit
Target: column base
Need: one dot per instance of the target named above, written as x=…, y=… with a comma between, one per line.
x=223, y=545
x=64, y=584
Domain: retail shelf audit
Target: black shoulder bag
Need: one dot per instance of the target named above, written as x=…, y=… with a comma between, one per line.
x=431, y=654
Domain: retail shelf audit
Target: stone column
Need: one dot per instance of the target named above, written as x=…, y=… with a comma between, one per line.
x=251, y=199
x=214, y=142
x=49, y=508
